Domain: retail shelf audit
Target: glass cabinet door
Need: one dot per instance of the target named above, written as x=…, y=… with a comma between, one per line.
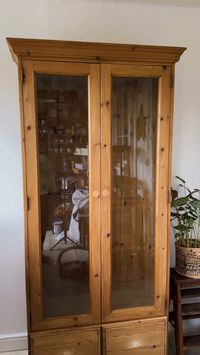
x=133, y=246
x=63, y=135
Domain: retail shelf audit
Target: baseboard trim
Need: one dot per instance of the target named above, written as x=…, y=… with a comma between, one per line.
x=13, y=342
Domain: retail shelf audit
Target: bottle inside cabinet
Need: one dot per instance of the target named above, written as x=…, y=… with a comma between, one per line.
x=62, y=110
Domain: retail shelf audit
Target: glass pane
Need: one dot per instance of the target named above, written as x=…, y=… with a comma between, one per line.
x=134, y=115
x=62, y=103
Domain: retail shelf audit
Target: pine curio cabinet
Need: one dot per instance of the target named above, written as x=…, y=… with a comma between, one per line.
x=96, y=122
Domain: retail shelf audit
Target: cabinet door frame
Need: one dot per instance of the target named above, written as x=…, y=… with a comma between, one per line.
x=162, y=188
x=31, y=174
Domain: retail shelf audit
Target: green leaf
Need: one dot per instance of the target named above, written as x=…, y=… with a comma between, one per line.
x=181, y=209
x=193, y=213
x=179, y=201
x=185, y=187
x=195, y=203
x=193, y=216
x=191, y=221
x=187, y=217
x=177, y=235
x=183, y=181
x=173, y=214
x=182, y=228
x=194, y=192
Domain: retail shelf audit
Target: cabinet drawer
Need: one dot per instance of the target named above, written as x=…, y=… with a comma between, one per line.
x=136, y=338
x=68, y=342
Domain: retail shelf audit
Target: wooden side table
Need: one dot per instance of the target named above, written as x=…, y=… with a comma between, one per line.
x=184, y=288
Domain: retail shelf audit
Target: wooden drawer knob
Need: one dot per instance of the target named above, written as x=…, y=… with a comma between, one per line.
x=95, y=193
x=105, y=193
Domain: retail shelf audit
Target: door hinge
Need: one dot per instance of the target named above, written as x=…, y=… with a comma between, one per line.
x=23, y=76
x=27, y=203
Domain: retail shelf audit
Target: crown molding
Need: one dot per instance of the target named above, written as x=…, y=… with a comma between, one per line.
x=40, y=49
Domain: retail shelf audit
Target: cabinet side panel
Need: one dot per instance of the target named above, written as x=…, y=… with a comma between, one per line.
x=21, y=80
x=162, y=192
x=33, y=222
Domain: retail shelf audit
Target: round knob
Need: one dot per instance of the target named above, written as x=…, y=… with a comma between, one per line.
x=96, y=193
x=105, y=193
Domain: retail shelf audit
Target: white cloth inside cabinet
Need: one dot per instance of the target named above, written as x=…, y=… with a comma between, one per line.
x=80, y=199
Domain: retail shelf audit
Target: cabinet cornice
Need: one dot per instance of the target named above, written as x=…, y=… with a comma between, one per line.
x=40, y=49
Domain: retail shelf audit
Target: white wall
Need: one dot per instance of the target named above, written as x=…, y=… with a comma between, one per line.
x=86, y=20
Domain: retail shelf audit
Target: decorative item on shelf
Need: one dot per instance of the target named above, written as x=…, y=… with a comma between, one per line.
x=60, y=222
x=57, y=225
x=185, y=219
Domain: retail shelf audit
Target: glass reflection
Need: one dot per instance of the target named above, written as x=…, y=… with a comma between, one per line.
x=134, y=114
x=62, y=103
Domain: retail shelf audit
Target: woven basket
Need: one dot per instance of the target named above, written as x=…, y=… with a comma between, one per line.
x=188, y=261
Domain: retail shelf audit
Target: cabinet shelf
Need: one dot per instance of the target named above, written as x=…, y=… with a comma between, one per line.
x=191, y=310
x=190, y=292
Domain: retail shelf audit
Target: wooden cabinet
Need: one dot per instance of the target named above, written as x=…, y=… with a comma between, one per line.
x=96, y=125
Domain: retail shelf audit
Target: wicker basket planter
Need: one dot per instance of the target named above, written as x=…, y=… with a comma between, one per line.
x=188, y=261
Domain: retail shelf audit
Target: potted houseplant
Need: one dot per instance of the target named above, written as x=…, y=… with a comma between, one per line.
x=185, y=219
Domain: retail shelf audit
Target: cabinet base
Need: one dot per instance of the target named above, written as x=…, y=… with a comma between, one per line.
x=141, y=337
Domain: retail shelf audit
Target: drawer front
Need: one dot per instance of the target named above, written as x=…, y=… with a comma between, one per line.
x=136, y=338
x=70, y=342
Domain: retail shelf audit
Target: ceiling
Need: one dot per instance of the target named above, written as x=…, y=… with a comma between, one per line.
x=188, y=3
x=171, y=2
